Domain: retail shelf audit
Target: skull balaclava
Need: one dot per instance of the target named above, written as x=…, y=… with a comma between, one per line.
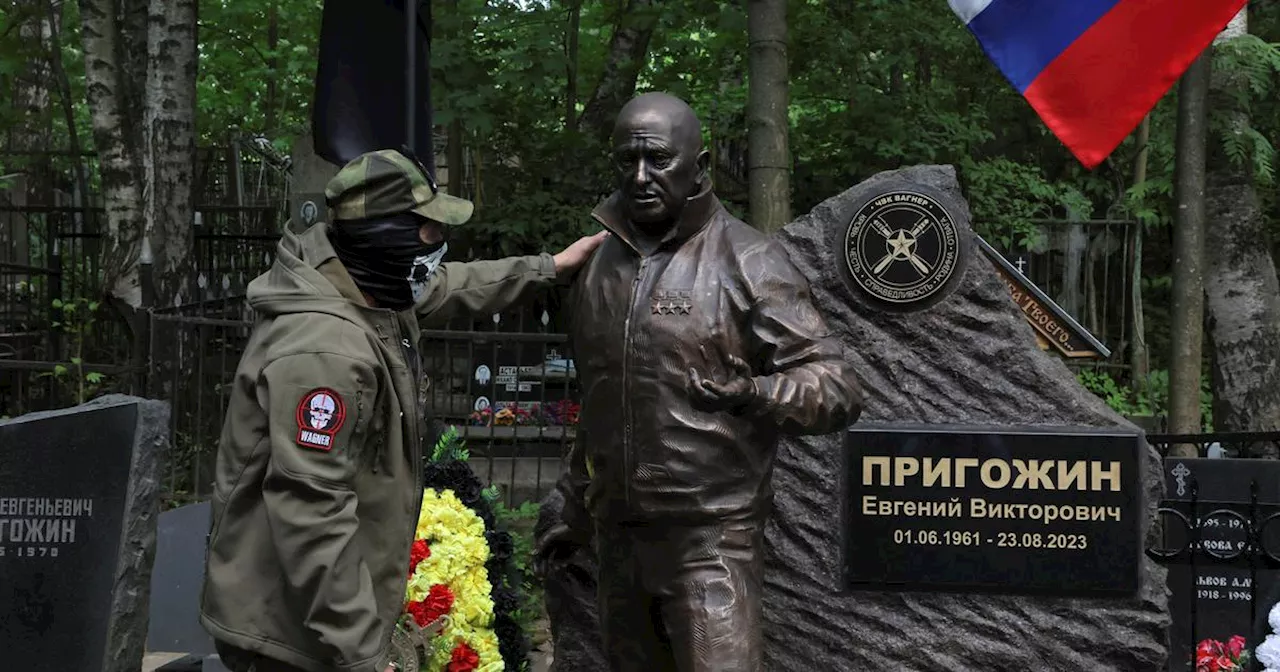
x=386, y=257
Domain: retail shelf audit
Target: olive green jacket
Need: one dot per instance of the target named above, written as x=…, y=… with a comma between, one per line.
x=318, y=481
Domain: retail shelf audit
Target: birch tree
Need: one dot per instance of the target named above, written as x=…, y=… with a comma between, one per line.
x=768, y=159
x=1243, y=295
x=140, y=71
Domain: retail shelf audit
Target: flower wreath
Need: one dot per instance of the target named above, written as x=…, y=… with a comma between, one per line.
x=461, y=566
x=1268, y=652
x=1215, y=656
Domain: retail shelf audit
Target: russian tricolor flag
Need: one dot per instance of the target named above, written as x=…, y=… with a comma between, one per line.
x=1093, y=68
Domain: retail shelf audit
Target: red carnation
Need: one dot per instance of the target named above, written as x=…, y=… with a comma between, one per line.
x=417, y=553
x=464, y=659
x=1235, y=645
x=438, y=602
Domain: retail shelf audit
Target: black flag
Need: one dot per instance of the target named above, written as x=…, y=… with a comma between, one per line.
x=362, y=94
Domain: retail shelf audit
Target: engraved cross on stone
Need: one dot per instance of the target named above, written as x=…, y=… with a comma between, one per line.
x=1021, y=264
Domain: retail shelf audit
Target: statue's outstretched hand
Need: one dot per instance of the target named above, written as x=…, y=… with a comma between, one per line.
x=732, y=395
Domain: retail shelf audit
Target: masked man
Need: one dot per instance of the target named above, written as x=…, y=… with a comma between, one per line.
x=318, y=482
x=697, y=344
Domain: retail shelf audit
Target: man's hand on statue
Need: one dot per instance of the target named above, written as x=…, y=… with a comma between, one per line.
x=577, y=254
x=732, y=395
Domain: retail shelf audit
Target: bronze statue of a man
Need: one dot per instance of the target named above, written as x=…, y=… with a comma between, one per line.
x=697, y=344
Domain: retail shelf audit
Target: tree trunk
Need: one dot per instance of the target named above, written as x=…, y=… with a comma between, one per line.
x=273, y=69
x=769, y=167
x=627, y=51
x=170, y=152
x=455, y=150
x=571, y=66
x=1139, y=367
x=30, y=97
x=115, y=75
x=1243, y=295
x=140, y=66
x=1188, y=254
x=60, y=79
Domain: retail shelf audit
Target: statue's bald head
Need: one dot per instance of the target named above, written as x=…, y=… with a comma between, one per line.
x=661, y=111
x=658, y=154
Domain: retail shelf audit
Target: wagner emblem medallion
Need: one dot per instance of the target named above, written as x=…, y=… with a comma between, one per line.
x=902, y=248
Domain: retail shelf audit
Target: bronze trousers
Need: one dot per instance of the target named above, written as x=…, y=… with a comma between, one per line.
x=681, y=599
x=239, y=660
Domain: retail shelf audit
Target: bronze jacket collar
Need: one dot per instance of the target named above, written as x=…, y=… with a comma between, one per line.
x=697, y=211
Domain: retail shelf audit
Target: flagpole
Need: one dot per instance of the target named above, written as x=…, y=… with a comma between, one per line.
x=410, y=70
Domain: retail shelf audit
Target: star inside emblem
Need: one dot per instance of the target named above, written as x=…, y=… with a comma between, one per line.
x=901, y=244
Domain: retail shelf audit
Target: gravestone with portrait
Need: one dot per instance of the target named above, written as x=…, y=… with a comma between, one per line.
x=994, y=512
x=79, y=501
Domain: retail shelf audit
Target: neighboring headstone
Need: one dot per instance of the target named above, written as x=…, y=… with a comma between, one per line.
x=1213, y=588
x=177, y=580
x=964, y=358
x=78, y=506
x=306, y=188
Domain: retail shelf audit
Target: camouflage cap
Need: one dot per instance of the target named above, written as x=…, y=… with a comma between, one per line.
x=387, y=182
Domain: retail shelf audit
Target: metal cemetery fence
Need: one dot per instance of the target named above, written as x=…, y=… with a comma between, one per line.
x=1218, y=535
x=505, y=382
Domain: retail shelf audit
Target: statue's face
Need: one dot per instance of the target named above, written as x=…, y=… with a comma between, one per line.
x=658, y=165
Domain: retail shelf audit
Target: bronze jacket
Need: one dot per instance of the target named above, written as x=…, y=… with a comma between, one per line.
x=714, y=287
x=318, y=481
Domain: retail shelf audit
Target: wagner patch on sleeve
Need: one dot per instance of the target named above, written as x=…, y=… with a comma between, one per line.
x=321, y=414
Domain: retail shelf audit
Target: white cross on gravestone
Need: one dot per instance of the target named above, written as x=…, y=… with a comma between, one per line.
x=1021, y=263
x=1180, y=474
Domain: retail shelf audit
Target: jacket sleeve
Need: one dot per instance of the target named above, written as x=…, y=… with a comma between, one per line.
x=482, y=287
x=310, y=500
x=804, y=386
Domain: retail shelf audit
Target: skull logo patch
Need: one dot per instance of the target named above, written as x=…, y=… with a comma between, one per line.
x=320, y=416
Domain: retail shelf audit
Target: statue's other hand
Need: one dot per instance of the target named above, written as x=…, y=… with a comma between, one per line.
x=733, y=395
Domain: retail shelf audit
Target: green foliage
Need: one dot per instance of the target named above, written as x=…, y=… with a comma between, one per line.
x=1007, y=196
x=1246, y=69
x=248, y=84
x=76, y=318
x=1152, y=400
x=450, y=447
x=520, y=521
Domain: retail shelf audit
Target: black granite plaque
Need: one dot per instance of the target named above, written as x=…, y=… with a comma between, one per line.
x=1214, y=586
x=176, y=581
x=74, y=549
x=1000, y=510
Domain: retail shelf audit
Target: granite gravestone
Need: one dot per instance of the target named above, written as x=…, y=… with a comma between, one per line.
x=1217, y=587
x=932, y=347
x=176, y=581
x=78, y=508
